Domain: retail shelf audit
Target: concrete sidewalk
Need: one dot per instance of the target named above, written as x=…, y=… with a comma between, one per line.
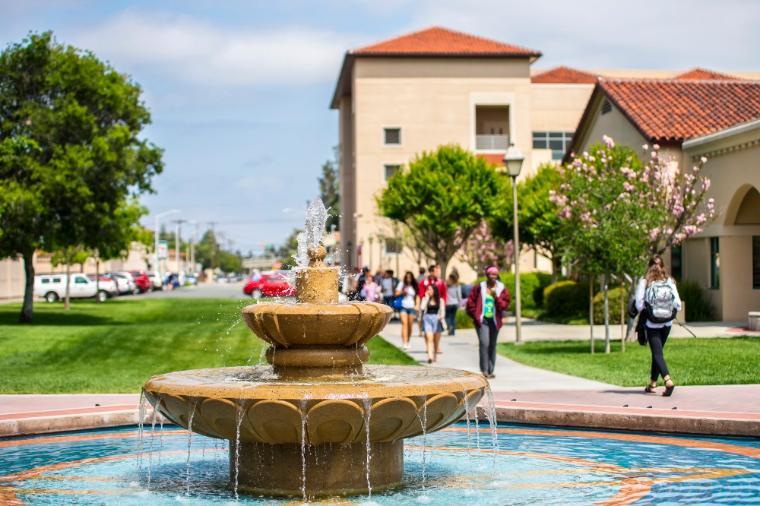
x=461, y=352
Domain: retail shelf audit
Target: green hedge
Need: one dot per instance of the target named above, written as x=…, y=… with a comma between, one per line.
x=530, y=283
x=698, y=305
x=614, y=297
x=464, y=321
x=566, y=299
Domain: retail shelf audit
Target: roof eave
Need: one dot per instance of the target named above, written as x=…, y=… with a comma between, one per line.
x=343, y=75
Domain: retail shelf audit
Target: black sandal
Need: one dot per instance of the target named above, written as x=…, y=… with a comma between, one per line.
x=669, y=390
x=649, y=389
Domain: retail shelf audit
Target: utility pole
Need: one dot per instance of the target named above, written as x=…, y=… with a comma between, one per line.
x=177, y=247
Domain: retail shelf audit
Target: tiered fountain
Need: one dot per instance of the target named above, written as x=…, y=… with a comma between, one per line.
x=317, y=421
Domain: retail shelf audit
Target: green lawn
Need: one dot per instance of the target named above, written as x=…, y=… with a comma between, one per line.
x=116, y=346
x=691, y=361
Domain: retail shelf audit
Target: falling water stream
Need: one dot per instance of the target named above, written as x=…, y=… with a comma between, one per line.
x=189, y=444
x=367, y=416
x=238, y=422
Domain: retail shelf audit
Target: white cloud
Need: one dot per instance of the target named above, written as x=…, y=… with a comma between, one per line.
x=207, y=54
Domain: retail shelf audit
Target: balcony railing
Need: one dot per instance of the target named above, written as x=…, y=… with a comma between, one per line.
x=495, y=142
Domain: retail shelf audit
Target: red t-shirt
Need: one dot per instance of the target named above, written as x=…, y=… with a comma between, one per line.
x=430, y=281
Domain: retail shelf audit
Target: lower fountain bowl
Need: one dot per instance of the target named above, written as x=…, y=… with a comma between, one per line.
x=279, y=426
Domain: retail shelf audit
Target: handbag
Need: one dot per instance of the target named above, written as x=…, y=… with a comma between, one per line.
x=397, y=303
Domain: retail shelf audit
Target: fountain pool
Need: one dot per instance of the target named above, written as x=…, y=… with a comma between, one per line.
x=533, y=465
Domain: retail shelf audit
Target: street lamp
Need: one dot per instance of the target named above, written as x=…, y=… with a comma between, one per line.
x=513, y=160
x=155, y=239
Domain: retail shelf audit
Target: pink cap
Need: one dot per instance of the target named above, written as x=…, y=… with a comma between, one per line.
x=492, y=270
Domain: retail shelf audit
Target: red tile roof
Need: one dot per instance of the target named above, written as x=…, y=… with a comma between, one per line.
x=674, y=110
x=437, y=41
x=496, y=159
x=564, y=75
x=700, y=74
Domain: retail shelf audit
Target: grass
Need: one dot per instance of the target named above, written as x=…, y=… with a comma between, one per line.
x=116, y=346
x=713, y=361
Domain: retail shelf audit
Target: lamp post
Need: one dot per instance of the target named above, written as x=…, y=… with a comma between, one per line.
x=157, y=219
x=513, y=160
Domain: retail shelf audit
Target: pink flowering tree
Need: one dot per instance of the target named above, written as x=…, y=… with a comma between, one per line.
x=482, y=249
x=618, y=212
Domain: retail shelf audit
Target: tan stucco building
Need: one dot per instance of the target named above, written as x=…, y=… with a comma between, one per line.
x=720, y=120
x=413, y=93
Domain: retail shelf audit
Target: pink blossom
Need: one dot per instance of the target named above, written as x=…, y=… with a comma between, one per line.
x=628, y=186
x=655, y=146
x=645, y=147
x=703, y=159
x=608, y=141
x=701, y=218
x=705, y=184
x=654, y=233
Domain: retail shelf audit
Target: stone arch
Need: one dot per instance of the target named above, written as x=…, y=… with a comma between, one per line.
x=744, y=207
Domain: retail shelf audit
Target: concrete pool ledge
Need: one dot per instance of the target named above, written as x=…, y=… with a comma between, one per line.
x=728, y=410
x=732, y=410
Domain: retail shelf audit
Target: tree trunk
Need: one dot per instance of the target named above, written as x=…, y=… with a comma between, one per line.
x=28, y=306
x=606, y=314
x=591, y=309
x=444, y=264
x=66, y=304
x=556, y=268
x=622, y=316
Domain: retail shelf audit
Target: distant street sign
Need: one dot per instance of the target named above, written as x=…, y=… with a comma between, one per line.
x=163, y=250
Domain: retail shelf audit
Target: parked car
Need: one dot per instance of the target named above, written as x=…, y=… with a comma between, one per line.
x=191, y=279
x=156, y=280
x=142, y=281
x=270, y=284
x=104, y=283
x=125, y=285
x=52, y=287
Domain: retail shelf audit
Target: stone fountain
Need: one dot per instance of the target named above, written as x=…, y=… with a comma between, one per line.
x=317, y=420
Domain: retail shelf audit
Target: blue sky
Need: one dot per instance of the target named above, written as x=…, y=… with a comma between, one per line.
x=239, y=90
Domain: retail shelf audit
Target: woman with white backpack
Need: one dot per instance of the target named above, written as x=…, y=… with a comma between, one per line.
x=657, y=296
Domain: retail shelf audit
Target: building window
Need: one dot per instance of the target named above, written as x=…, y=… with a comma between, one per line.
x=606, y=107
x=558, y=142
x=756, y=262
x=390, y=170
x=676, y=262
x=714, y=263
x=392, y=136
x=392, y=246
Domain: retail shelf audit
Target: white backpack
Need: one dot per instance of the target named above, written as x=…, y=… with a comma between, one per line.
x=660, y=301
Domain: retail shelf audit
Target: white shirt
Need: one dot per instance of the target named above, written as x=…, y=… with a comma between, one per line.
x=408, y=293
x=641, y=289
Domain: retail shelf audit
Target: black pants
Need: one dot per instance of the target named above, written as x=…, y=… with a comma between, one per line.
x=451, y=318
x=657, y=339
x=487, y=334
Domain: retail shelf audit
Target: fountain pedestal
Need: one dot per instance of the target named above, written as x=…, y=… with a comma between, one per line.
x=328, y=469
x=303, y=425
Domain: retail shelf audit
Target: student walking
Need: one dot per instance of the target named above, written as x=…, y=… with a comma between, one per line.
x=453, y=301
x=433, y=279
x=433, y=311
x=371, y=290
x=485, y=305
x=657, y=301
x=410, y=302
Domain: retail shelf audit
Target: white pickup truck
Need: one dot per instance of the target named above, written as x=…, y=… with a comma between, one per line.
x=52, y=287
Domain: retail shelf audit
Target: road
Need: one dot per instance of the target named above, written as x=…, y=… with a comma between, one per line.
x=202, y=290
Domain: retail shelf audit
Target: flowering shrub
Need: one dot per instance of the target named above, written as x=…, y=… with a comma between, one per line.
x=618, y=211
x=483, y=249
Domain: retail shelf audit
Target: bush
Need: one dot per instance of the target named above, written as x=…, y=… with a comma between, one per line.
x=615, y=295
x=566, y=300
x=464, y=321
x=530, y=282
x=698, y=305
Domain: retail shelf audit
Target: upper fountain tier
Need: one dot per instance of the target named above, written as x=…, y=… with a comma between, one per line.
x=318, y=332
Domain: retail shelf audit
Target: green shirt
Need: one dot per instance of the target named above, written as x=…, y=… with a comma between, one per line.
x=488, y=306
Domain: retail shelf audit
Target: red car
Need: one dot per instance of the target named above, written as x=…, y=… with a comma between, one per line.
x=142, y=281
x=271, y=284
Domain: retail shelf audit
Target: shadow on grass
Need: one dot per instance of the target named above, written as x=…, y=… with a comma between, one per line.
x=8, y=317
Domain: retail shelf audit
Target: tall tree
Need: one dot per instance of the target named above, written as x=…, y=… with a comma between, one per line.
x=537, y=214
x=329, y=192
x=71, y=153
x=442, y=198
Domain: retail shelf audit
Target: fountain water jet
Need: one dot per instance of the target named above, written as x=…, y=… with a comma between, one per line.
x=317, y=421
